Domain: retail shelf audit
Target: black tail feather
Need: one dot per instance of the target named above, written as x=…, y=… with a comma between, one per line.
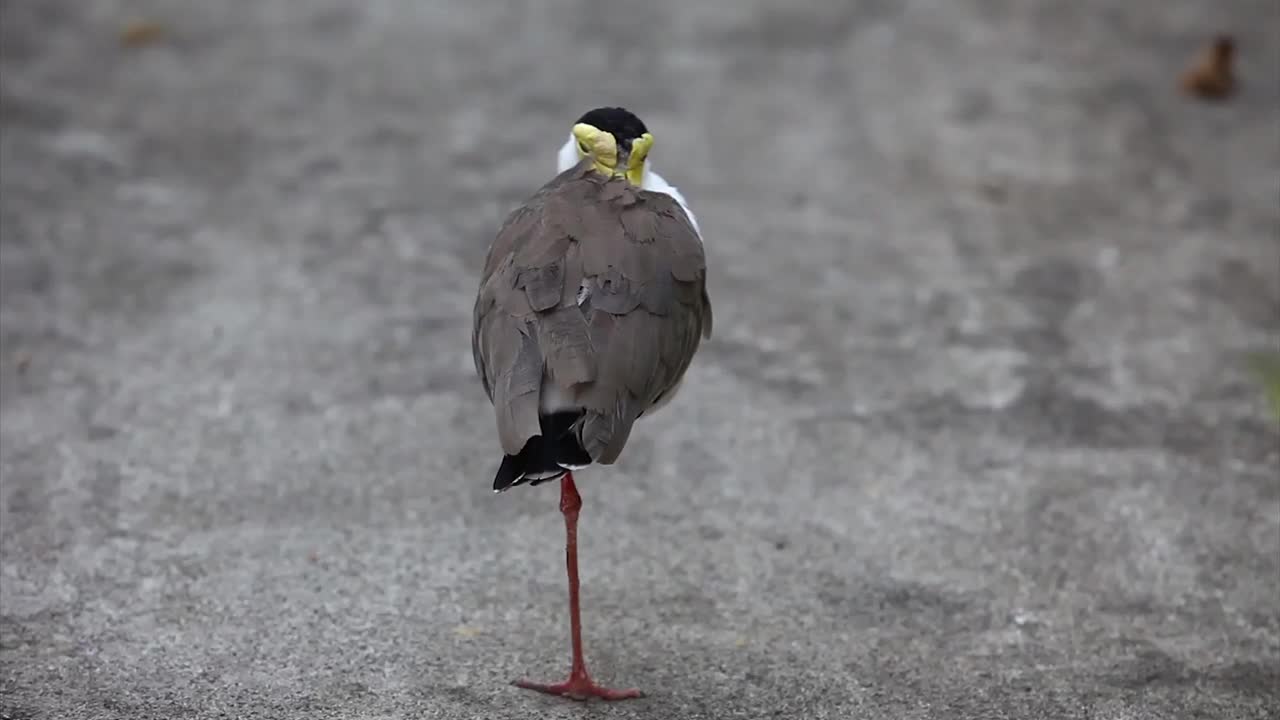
x=544, y=457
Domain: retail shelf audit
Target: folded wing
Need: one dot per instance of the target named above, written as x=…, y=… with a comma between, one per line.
x=593, y=298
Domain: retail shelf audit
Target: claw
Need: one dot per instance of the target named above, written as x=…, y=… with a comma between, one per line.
x=579, y=688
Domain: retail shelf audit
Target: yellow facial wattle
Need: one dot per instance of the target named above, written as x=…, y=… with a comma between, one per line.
x=602, y=148
x=635, y=161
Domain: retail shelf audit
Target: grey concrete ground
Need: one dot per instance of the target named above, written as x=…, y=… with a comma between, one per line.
x=972, y=440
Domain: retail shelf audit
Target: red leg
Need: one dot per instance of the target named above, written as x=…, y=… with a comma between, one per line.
x=579, y=686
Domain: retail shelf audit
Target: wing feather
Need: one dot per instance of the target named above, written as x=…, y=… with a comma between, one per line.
x=517, y=396
x=617, y=353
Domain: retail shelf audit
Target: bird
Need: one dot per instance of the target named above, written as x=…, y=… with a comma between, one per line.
x=591, y=306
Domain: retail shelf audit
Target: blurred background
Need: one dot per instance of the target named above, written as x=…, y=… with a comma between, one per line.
x=983, y=430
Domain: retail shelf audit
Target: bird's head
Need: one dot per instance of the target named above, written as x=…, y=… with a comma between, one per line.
x=617, y=142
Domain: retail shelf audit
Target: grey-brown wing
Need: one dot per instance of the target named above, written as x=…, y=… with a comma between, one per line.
x=649, y=311
x=515, y=309
x=598, y=288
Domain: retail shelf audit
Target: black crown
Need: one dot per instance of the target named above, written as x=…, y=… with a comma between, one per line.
x=622, y=124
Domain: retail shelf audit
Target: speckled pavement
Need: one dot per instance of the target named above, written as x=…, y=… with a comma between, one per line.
x=974, y=437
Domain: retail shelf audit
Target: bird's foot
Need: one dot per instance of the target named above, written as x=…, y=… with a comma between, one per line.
x=579, y=687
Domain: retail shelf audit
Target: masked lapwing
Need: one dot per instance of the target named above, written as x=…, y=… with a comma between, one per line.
x=592, y=304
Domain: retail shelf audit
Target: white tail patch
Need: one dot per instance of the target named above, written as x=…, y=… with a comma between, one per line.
x=553, y=399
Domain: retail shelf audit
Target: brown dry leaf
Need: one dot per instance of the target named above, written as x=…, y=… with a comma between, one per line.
x=1212, y=75
x=141, y=33
x=22, y=360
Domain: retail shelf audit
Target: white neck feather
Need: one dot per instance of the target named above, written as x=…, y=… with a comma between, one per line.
x=568, y=157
